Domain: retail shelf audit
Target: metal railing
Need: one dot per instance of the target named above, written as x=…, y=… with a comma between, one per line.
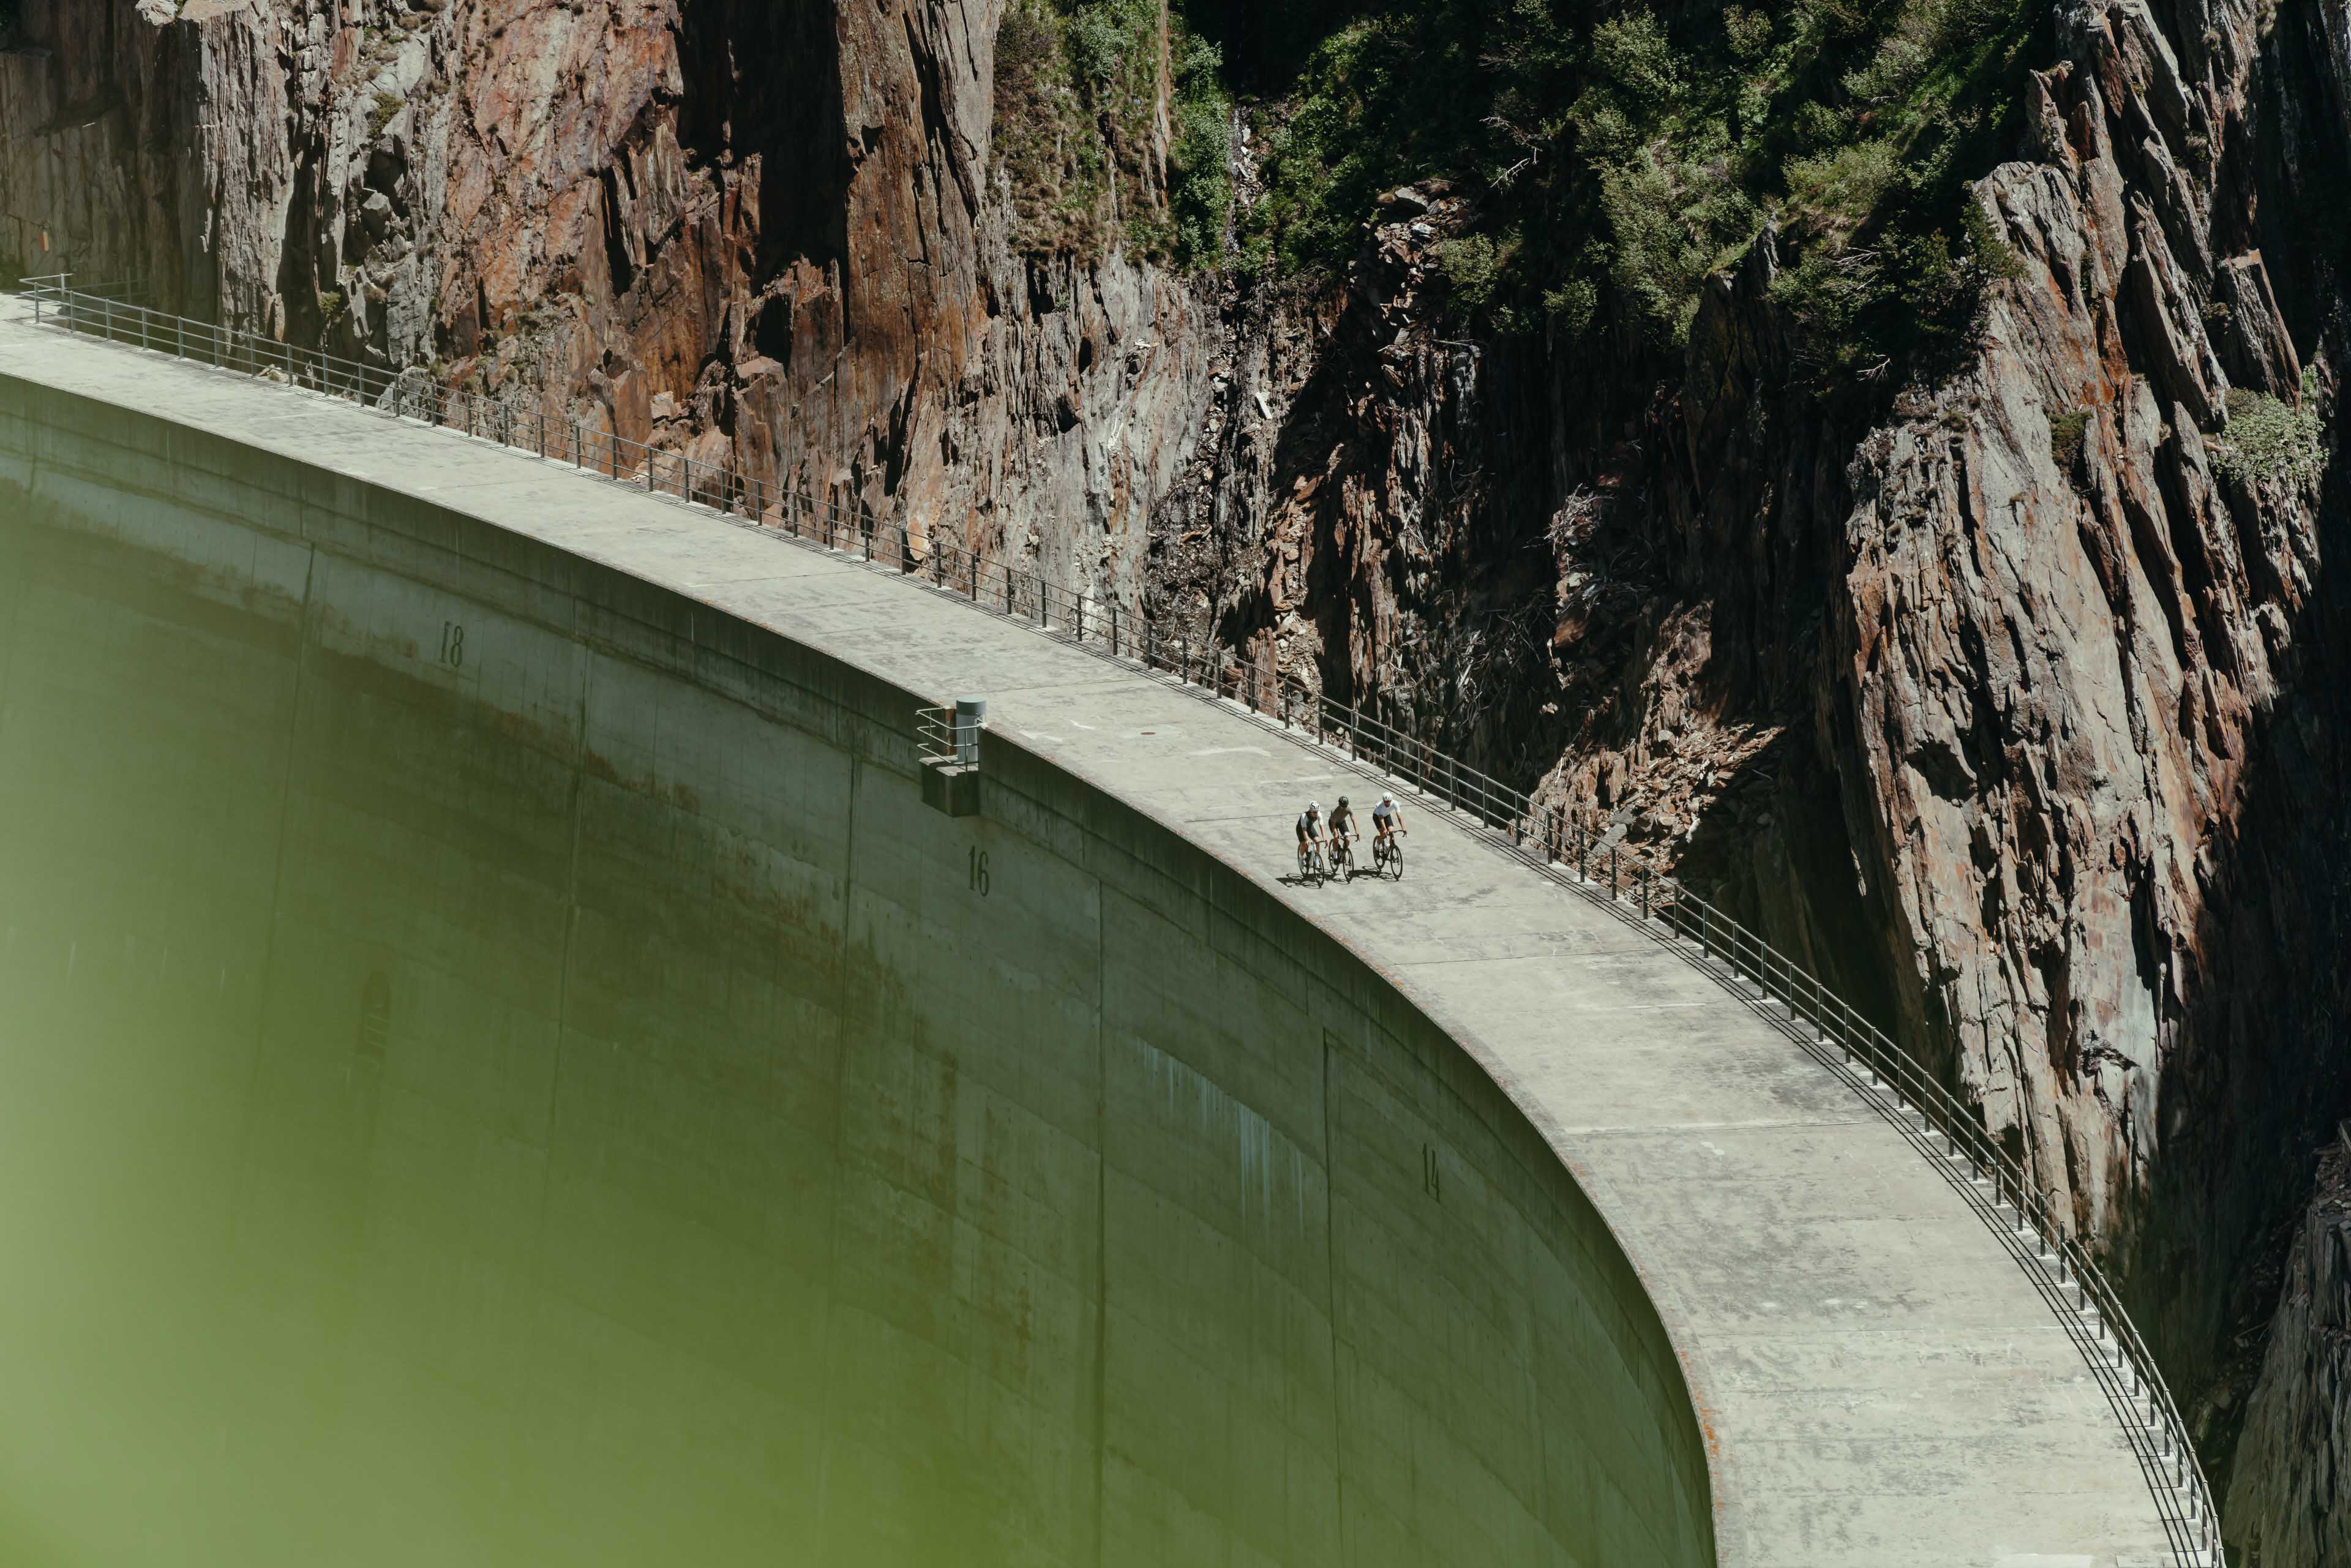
x=1557, y=840
x=947, y=737
x=935, y=736
x=122, y=290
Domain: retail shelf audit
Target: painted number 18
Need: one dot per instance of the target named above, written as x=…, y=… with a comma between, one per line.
x=453, y=645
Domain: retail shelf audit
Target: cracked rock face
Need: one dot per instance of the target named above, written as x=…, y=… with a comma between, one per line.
x=2084, y=680
x=2285, y=1501
x=726, y=228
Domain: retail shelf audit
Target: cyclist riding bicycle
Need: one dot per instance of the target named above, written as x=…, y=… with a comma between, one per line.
x=1344, y=832
x=1386, y=823
x=1310, y=840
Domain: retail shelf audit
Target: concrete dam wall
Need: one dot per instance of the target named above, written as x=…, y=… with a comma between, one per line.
x=502, y=1066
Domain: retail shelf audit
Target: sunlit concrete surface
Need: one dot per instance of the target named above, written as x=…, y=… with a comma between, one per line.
x=1873, y=1380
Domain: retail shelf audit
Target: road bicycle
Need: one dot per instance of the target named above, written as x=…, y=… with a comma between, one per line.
x=1342, y=857
x=1310, y=863
x=1387, y=856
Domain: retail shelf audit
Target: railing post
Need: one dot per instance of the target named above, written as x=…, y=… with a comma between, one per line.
x=1644, y=892
x=975, y=577
x=1612, y=873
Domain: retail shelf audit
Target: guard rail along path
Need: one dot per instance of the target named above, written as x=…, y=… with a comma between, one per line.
x=1945, y=1131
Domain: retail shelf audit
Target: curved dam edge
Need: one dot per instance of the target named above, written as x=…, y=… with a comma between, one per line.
x=1877, y=1381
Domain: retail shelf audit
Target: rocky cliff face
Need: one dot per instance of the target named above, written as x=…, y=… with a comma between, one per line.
x=131, y=153
x=2081, y=675
x=2286, y=1500
x=719, y=226
x=2014, y=702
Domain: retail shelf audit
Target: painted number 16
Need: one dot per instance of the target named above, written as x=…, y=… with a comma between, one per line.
x=979, y=871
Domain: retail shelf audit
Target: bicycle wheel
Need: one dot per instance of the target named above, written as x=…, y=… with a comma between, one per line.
x=1396, y=862
x=1305, y=862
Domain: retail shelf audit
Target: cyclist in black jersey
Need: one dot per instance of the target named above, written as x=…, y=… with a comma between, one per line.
x=1344, y=833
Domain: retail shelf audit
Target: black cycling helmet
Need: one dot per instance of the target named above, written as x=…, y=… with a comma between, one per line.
x=1342, y=800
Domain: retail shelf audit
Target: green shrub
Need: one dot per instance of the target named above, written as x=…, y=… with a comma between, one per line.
x=1749, y=33
x=1336, y=150
x=1473, y=266
x=1201, y=160
x=2268, y=439
x=1098, y=44
x=1837, y=191
x=387, y=105
x=2065, y=433
x=1665, y=138
x=1571, y=305
x=1671, y=224
x=1614, y=157
x=1076, y=123
x=1632, y=54
x=1045, y=143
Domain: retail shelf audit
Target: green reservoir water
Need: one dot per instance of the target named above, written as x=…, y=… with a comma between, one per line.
x=485, y=1081
x=419, y=1148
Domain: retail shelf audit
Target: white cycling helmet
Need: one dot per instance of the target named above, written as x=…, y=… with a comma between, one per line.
x=1311, y=808
x=1387, y=800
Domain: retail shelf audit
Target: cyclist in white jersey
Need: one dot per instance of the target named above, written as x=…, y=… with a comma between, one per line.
x=1310, y=828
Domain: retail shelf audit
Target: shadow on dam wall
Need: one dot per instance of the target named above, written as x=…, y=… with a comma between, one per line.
x=498, y=1066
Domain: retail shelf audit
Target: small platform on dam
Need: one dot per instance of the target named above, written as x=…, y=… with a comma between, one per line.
x=1875, y=1380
